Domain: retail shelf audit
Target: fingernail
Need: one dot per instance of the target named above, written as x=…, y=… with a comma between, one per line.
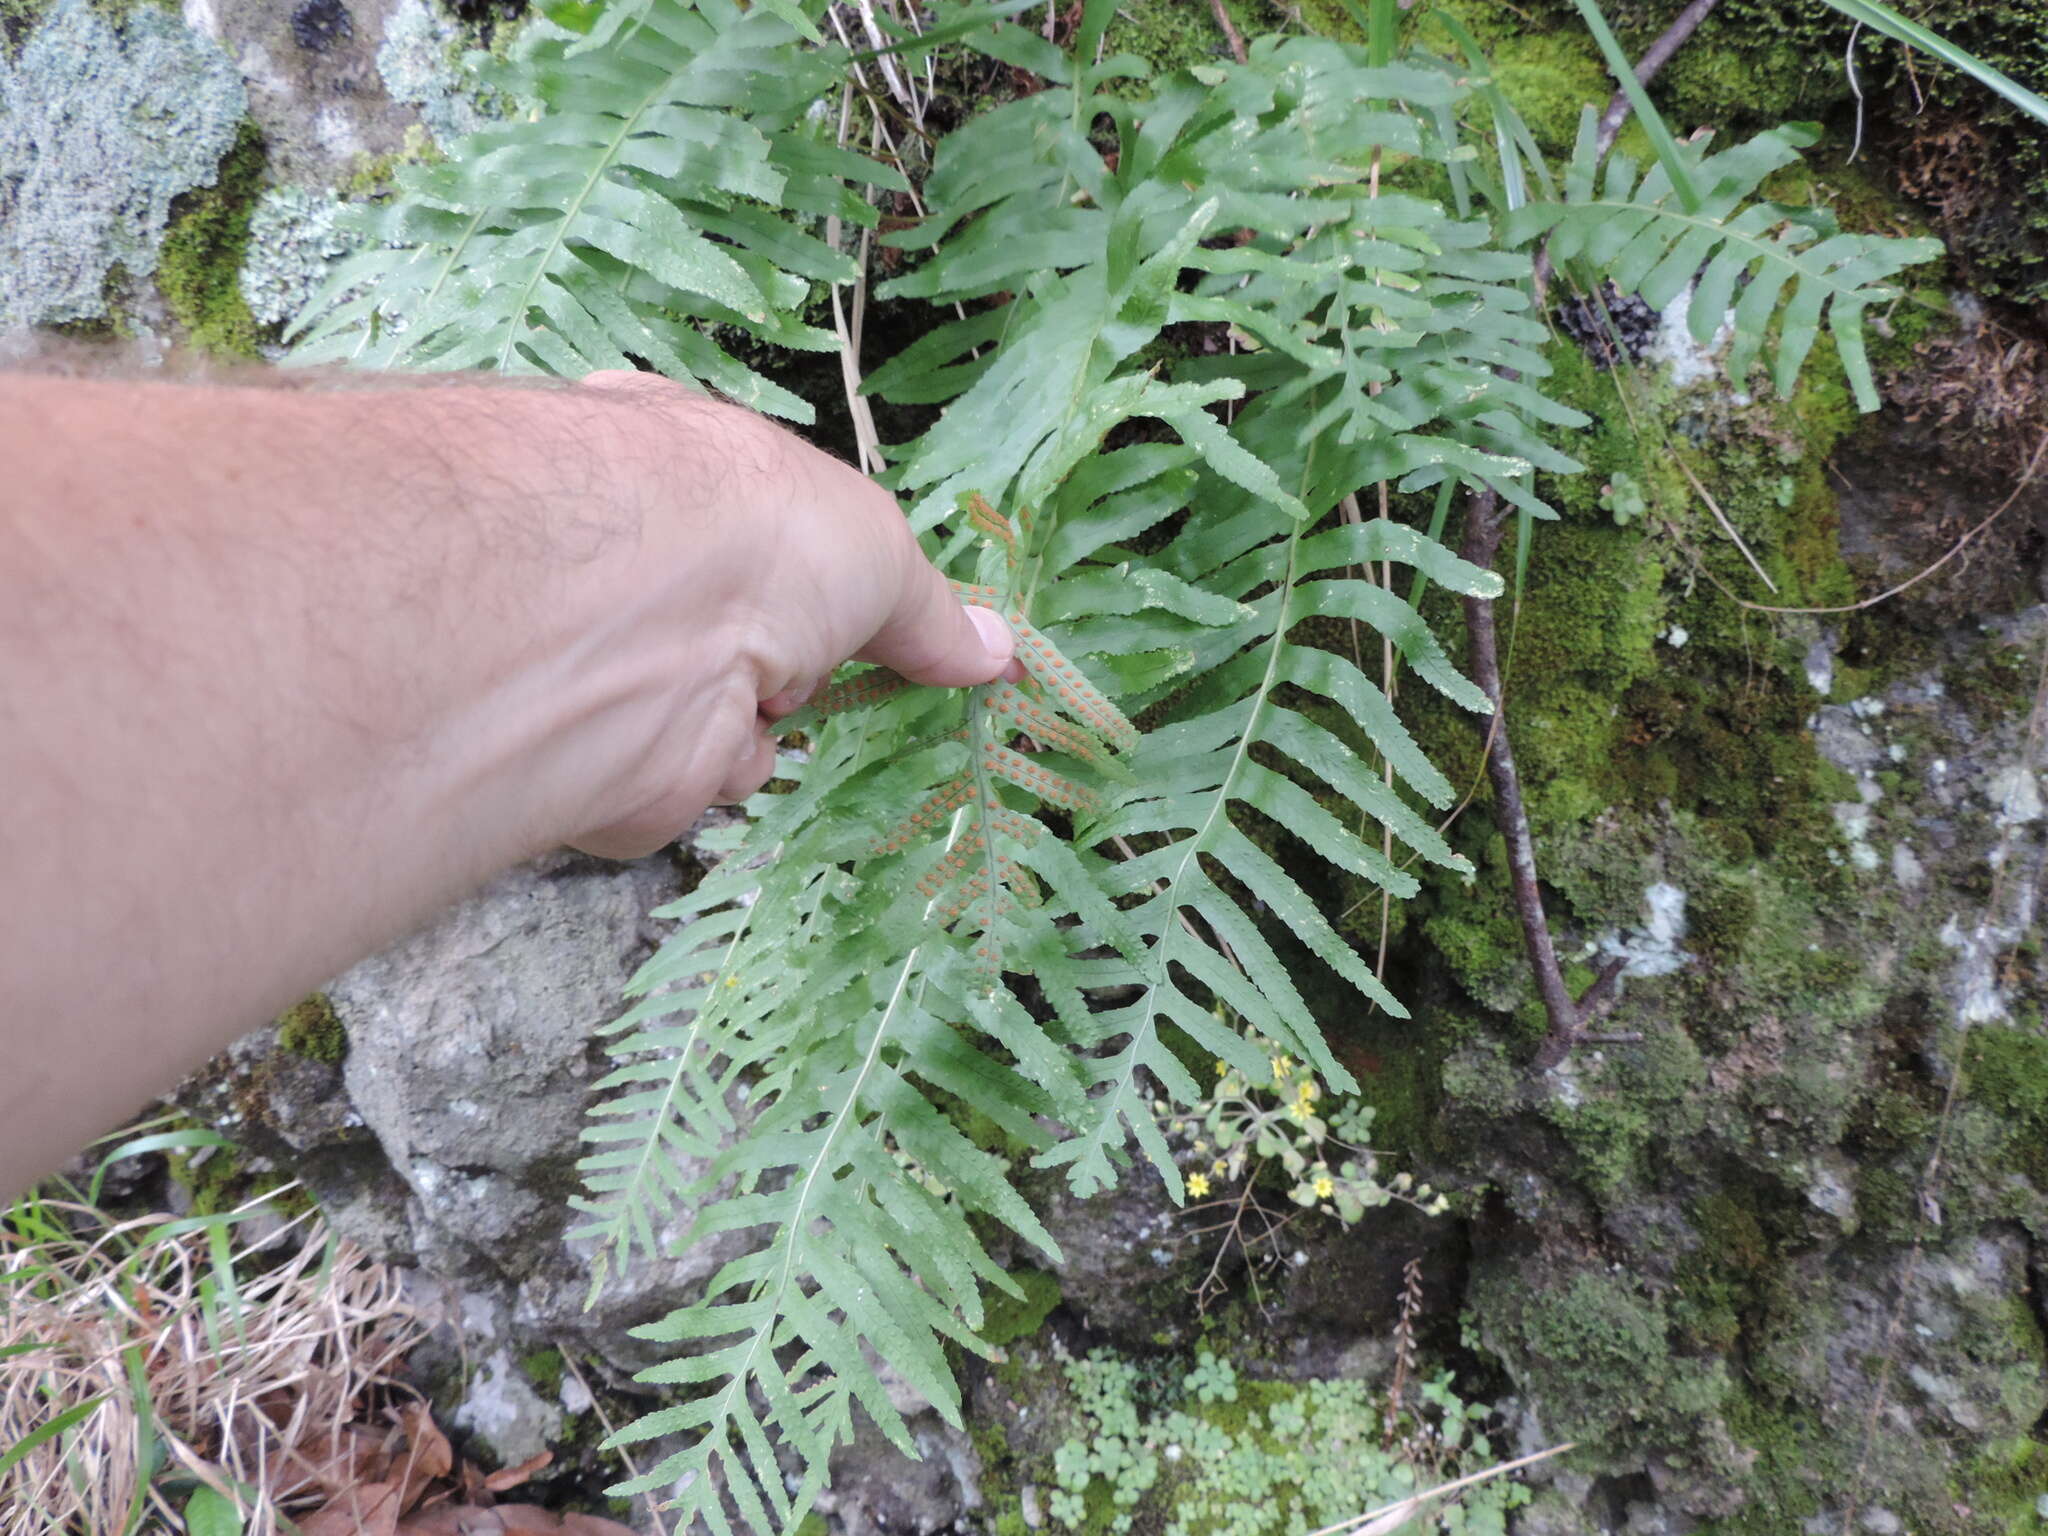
x=994, y=629
x=802, y=696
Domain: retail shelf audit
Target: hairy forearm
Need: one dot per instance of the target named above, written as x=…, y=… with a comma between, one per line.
x=281, y=673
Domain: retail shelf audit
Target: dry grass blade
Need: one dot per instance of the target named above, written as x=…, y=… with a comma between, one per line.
x=1391, y=1517
x=1721, y=517
x=244, y=1380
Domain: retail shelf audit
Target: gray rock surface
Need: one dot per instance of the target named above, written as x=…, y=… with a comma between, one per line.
x=877, y=1492
x=1126, y=1261
x=447, y=1139
x=472, y=1047
x=313, y=90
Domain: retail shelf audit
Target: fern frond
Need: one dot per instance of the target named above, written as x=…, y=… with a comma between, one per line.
x=1032, y=898
x=1790, y=264
x=1200, y=791
x=861, y=1256
x=634, y=211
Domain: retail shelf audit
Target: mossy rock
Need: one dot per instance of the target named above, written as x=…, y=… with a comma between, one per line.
x=199, y=268
x=545, y=1369
x=1596, y=1350
x=1008, y=1318
x=311, y=1028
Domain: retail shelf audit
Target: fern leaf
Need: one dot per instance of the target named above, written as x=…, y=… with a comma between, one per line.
x=634, y=209
x=1797, y=268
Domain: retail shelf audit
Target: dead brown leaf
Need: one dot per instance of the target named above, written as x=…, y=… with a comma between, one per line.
x=532, y=1520
x=370, y=1509
x=428, y=1455
x=508, y=1520
x=512, y=1477
x=351, y=1456
x=452, y=1520
x=593, y=1525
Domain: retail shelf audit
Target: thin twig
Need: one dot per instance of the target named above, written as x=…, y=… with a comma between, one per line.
x=867, y=441
x=2026, y=479
x=1230, y=33
x=1654, y=58
x=658, y=1525
x=1485, y=522
x=1359, y=1525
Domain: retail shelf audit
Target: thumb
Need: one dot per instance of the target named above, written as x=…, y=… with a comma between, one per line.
x=933, y=638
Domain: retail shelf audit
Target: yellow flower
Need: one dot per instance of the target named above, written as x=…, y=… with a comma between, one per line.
x=1300, y=1112
x=1283, y=1067
x=1219, y=1167
x=1325, y=1186
x=1222, y=1066
x=1308, y=1090
x=1198, y=1184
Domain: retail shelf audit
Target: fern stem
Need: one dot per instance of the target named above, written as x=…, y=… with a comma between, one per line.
x=627, y=126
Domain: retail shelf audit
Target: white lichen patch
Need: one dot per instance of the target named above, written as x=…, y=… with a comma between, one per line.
x=295, y=237
x=1820, y=667
x=1689, y=362
x=1979, y=998
x=423, y=63
x=502, y=1409
x=1655, y=948
x=99, y=130
x=1853, y=819
x=2015, y=793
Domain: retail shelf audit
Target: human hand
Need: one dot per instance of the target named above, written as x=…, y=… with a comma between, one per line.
x=760, y=567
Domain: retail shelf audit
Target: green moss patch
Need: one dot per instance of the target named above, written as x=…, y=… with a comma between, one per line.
x=199, y=268
x=1596, y=1350
x=311, y=1028
x=1007, y=1318
x=544, y=1369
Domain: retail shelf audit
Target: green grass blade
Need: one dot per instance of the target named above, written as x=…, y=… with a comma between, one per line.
x=1439, y=515
x=163, y=1141
x=146, y=1446
x=1510, y=132
x=47, y=1431
x=1379, y=37
x=1668, y=153
x=1882, y=18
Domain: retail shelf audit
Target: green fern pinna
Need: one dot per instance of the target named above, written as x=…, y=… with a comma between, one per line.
x=1015, y=899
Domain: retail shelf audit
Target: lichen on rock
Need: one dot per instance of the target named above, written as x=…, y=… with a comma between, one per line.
x=295, y=237
x=421, y=65
x=101, y=128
